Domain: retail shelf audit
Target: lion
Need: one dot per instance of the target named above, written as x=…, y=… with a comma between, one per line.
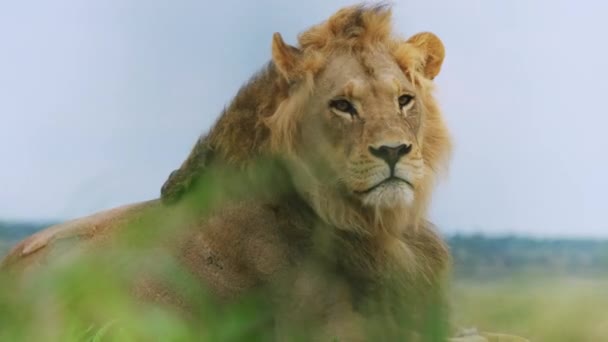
x=358, y=137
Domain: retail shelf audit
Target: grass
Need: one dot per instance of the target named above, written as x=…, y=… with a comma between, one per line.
x=540, y=307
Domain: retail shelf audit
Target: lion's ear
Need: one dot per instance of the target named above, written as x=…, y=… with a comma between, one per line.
x=285, y=57
x=433, y=52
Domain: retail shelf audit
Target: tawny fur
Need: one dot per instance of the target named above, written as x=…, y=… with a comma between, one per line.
x=267, y=118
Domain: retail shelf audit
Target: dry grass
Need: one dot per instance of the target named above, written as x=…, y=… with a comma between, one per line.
x=542, y=308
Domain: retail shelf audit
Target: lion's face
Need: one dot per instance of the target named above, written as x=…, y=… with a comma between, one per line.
x=361, y=129
x=358, y=123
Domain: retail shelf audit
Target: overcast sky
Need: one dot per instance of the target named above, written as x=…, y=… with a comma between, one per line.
x=100, y=100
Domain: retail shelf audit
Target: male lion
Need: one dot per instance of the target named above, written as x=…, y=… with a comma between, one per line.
x=350, y=116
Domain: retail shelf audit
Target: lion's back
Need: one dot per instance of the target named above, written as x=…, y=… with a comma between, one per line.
x=239, y=246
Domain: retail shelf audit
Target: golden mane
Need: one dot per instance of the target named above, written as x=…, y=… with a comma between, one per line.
x=264, y=117
x=356, y=30
x=264, y=120
x=353, y=28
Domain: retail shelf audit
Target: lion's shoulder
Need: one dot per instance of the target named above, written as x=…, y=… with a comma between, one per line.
x=242, y=244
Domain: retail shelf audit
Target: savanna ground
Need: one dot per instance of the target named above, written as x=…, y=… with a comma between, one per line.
x=545, y=290
x=541, y=308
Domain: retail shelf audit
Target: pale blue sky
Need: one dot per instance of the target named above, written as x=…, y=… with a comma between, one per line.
x=100, y=100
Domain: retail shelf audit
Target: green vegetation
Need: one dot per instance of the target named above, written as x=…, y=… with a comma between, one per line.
x=546, y=290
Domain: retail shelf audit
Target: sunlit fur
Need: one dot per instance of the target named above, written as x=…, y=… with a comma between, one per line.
x=283, y=111
x=355, y=46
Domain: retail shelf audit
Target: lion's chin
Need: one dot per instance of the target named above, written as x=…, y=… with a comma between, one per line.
x=389, y=195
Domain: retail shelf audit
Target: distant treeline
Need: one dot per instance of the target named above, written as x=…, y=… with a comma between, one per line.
x=474, y=255
x=478, y=255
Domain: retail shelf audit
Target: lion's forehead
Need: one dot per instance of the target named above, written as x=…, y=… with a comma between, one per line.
x=377, y=87
x=366, y=73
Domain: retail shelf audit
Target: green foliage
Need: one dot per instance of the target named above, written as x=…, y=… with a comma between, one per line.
x=88, y=297
x=499, y=285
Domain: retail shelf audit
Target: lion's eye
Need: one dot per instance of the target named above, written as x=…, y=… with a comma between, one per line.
x=343, y=106
x=405, y=100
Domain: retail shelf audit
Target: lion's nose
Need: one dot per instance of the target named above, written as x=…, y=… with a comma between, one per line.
x=390, y=154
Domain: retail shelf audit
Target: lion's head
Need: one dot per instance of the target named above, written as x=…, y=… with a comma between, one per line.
x=360, y=128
